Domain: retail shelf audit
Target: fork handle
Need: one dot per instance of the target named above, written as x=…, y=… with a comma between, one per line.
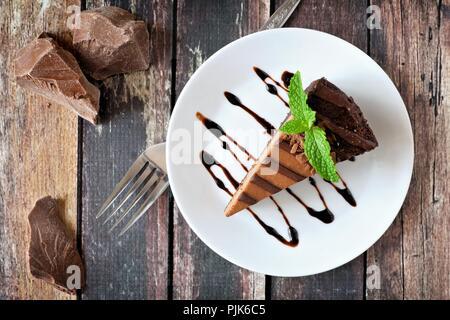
x=279, y=18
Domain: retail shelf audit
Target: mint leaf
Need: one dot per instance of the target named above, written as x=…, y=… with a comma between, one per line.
x=297, y=102
x=317, y=150
x=294, y=126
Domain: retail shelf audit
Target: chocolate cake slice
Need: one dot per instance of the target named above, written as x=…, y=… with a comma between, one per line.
x=284, y=163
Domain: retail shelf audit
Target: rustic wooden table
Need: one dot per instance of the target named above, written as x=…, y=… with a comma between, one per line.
x=47, y=150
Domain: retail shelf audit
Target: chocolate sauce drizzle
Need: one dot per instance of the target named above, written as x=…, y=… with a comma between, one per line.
x=325, y=215
x=292, y=231
x=237, y=102
x=272, y=89
x=274, y=233
x=286, y=78
x=264, y=76
x=344, y=192
x=219, y=132
x=208, y=162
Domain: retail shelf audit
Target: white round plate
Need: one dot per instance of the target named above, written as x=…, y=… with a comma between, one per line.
x=378, y=179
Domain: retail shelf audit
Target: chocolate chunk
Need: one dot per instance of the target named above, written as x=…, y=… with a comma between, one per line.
x=110, y=41
x=49, y=70
x=53, y=255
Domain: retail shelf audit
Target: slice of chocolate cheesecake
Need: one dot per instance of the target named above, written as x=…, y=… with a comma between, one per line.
x=284, y=163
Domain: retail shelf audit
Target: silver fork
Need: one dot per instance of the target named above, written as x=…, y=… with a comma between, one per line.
x=144, y=182
x=147, y=178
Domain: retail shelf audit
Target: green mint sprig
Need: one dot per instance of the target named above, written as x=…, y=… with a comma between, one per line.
x=317, y=147
x=303, y=116
x=317, y=150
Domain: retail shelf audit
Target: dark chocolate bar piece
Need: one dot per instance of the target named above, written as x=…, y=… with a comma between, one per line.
x=50, y=71
x=110, y=41
x=53, y=254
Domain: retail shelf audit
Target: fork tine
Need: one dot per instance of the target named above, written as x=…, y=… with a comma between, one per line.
x=159, y=189
x=144, y=176
x=135, y=169
x=141, y=193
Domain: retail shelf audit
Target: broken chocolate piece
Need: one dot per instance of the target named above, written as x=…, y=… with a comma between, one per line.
x=53, y=255
x=49, y=70
x=110, y=41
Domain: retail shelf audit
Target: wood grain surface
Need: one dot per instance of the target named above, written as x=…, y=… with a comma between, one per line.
x=135, y=112
x=38, y=148
x=413, y=47
x=203, y=27
x=46, y=150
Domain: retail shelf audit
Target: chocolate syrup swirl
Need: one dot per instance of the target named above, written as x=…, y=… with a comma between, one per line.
x=272, y=89
x=325, y=215
x=274, y=233
x=286, y=78
x=219, y=132
x=208, y=162
x=314, y=184
x=237, y=102
x=292, y=231
x=264, y=76
x=344, y=192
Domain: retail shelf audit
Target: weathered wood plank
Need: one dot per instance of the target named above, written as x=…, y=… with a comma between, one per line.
x=134, y=113
x=38, y=149
x=203, y=28
x=413, y=47
x=386, y=255
x=345, y=19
